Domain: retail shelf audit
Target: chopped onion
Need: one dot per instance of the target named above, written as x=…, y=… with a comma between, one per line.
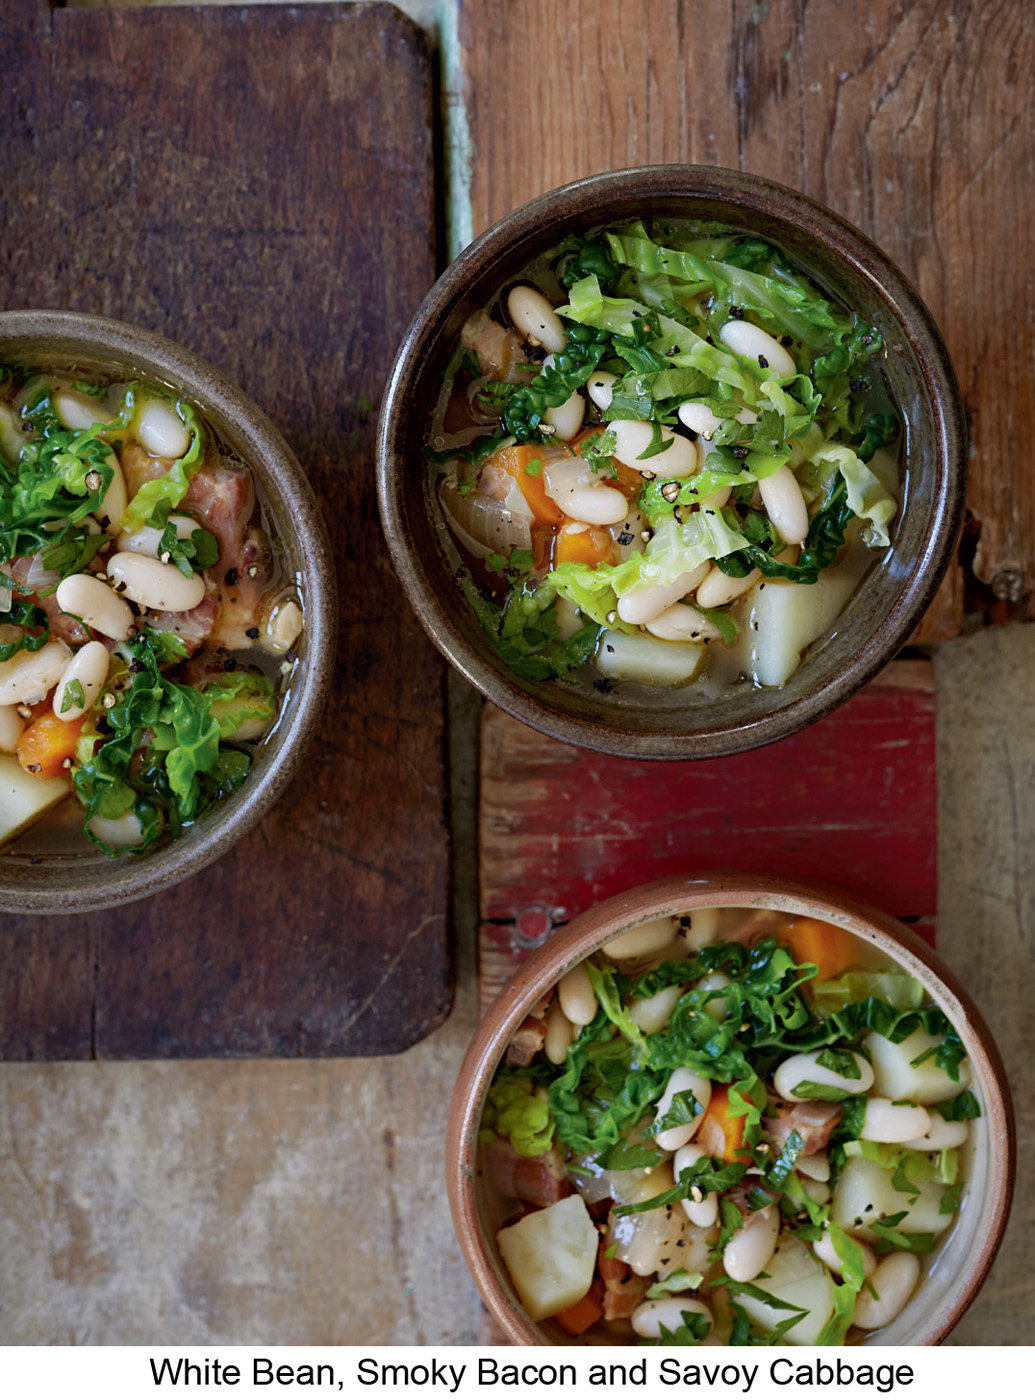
x=485, y=525
x=38, y=577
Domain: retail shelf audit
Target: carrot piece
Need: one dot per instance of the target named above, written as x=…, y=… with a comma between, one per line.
x=593, y=546
x=47, y=742
x=582, y=1315
x=826, y=945
x=721, y=1132
x=514, y=461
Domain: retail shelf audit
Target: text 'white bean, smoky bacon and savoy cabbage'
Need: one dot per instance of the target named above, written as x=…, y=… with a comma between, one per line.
x=732, y=1127
x=147, y=617
x=664, y=456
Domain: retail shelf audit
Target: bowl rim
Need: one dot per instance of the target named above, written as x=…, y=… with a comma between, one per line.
x=676, y=894
x=524, y=228
x=166, y=361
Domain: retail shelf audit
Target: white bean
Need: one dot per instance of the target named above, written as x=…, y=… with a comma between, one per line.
x=115, y=500
x=714, y=982
x=631, y=530
x=814, y=1165
x=155, y=585
x=804, y=1068
x=703, y=928
x=633, y=437
x=577, y=997
x=89, y=667
x=717, y=499
x=699, y=418
x=825, y=1252
x=745, y=338
x=752, y=1246
x=118, y=831
x=11, y=726
x=942, y=1133
x=161, y=430
x=29, y=675
x=785, y=505
x=681, y=1081
x=682, y=624
x=703, y=1212
x=817, y=1191
x=535, y=319
x=147, y=539
x=600, y=388
x=887, y=1121
x=648, y=601
x=718, y=588
x=283, y=627
x=641, y=941
x=596, y=505
x=89, y=597
x=649, y=1318
x=559, y=1035
x=570, y=484
x=895, y=1279
x=567, y=419
x=652, y=1013
x=76, y=411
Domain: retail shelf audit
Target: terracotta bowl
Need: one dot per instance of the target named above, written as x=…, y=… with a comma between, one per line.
x=970, y=1249
x=63, y=885
x=875, y=623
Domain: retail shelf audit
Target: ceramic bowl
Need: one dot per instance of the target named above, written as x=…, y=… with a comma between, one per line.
x=969, y=1250
x=878, y=619
x=95, y=881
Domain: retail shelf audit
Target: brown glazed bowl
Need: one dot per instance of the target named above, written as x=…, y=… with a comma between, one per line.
x=66, y=885
x=970, y=1248
x=876, y=621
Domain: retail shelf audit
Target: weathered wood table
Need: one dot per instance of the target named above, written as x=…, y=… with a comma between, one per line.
x=231, y=179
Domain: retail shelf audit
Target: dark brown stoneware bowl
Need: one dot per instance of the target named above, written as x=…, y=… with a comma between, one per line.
x=65, y=885
x=877, y=620
x=969, y=1250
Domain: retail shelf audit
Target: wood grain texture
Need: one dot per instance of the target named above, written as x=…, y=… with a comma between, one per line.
x=910, y=117
x=850, y=802
x=234, y=179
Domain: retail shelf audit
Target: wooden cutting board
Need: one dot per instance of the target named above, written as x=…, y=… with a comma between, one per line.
x=256, y=183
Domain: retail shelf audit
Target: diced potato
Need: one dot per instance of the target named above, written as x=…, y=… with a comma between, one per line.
x=550, y=1256
x=24, y=799
x=637, y=657
x=787, y=617
x=794, y=1276
x=864, y=1194
x=896, y=1077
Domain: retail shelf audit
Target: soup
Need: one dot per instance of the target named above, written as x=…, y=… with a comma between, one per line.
x=664, y=458
x=728, y=1128
x=147, y=620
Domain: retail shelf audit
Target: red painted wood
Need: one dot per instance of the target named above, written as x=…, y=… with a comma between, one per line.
x=850, y=802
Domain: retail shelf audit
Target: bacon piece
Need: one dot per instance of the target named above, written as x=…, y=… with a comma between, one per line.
x=814, y=1121
x=193, y=628
x=623, y=1290
x=498, y=349
x=541, y=1181
x=530, y=1036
